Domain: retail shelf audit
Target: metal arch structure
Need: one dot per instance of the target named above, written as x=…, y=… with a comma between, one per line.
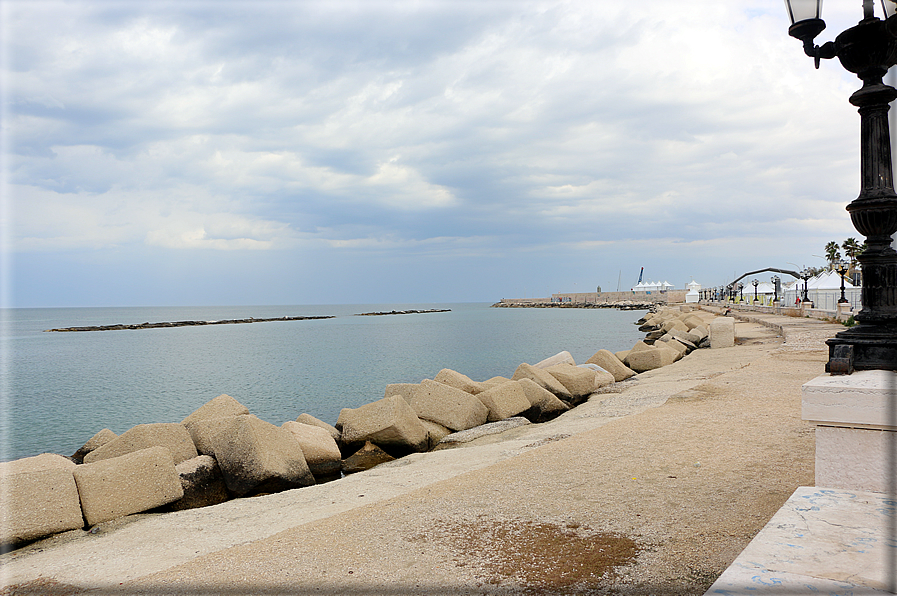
x=793, y=274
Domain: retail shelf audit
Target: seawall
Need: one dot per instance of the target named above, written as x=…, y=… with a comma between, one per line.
x=669, y=297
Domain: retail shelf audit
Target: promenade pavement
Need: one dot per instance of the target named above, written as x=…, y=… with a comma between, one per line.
x=655, y=488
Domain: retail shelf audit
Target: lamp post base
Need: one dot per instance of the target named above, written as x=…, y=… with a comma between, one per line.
x=864, y=347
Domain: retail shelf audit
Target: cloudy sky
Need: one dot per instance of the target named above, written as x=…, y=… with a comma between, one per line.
x=230, y=152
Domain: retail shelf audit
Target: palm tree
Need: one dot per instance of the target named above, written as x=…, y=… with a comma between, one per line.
x=832, y=253
x=852, y=249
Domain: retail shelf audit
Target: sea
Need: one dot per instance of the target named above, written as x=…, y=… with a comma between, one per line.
x=59, y=389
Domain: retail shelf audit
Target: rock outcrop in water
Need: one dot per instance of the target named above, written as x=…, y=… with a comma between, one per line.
x=166, y=324
x=222, y=451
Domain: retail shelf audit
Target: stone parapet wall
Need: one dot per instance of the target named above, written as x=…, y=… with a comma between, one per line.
x=786, y=311
x=669, y=297
x=525, y=301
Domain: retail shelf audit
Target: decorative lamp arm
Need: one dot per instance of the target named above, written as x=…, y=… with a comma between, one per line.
x=825, y=51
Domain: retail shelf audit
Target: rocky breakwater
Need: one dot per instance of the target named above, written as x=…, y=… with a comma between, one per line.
x=221, y=451
x=618, y=304
x=674, y=332
x=166, y=324
x=403, y=312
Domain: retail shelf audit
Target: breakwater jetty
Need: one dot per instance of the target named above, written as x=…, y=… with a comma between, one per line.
x=183, y=324
x=403, y=312
x=620, y=305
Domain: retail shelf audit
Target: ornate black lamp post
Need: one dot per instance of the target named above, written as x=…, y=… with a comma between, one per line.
x=775, y=288
x=755, y=283
x=842, y=270
x=805, y=275
x=868, y=49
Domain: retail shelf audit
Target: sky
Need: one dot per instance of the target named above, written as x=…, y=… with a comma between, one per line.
x=231, y=153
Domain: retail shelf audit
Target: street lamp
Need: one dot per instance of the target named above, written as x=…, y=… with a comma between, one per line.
x=775, y=288
x=868, y=50
x=805, y=275
x=842, y=270
x=755, y=283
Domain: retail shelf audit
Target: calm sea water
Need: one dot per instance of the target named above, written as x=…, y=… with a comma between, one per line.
x=59, y=389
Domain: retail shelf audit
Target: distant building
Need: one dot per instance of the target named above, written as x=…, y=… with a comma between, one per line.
x=654, y=286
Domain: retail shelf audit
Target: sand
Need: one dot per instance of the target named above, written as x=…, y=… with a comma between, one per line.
x=653, y=489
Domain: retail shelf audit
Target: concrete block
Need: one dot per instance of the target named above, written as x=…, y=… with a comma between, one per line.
x=311, y=420
x=202, y=482
x=203, y=430
x=390, y=423
x=676, y=324
x=38, y=503
x=173, y=436
x=490, y=383
x=602, y=377
x=722, y=332
x=37, y=463
x=544, y=405
x=223, y=405
x=579, y=382
x=504, y=401
x=645, y=360
x=679, y=347
x=450, y=407
x=369, y=456
x=693, y=321
x=609, y=362
x=131, y=483
x=435, y=433
x=543, y=378
x=256, y=456
x=94, y=442
x=458, y=380
x=321, y=452
x=406, y=390
x=559, y=358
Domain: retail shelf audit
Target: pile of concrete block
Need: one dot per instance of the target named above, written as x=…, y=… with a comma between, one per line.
x=674, y=332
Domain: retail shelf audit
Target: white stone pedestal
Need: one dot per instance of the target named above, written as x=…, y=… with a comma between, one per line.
x=856, y=428
x=844, y=311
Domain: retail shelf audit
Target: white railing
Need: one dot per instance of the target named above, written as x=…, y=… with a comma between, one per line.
x=826, y=299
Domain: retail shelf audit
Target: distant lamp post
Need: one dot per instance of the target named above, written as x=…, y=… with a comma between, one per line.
x=805, y=275
x=775, y=288
x=868, y=50
x=755, y=284
x=842, y=269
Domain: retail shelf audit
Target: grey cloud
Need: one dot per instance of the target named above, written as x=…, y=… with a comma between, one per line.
x=388, y=127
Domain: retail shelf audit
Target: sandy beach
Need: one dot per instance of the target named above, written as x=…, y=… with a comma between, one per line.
x=651, y=488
